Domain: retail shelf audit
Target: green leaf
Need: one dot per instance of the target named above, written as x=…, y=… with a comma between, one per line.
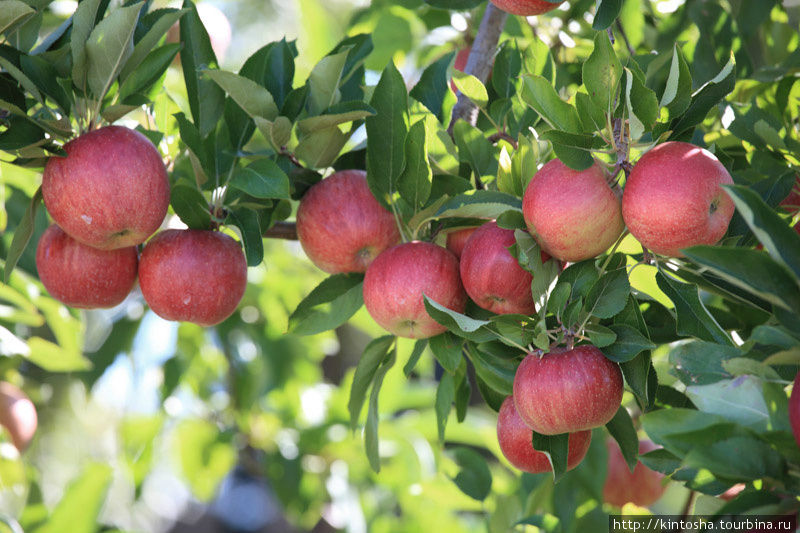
x=109, y=46
x=371, y=427
x=556, y=448
x=496, y=372
x=461, y=325
x=191, y=206
x=538, y=93
x=621, y=428
x=475, y=149
x=602, y=72
x=680, y=430
x=753, y=271
x=339, y=114
x=54, y=357
x=448, y=349
x=432, y=85
x=374, y=353
x=262, y=178
x=414, y=183
x=693, y=319
x=324, y=80
x=321, y=148
x=387, y=131
x=506, y=69
x=474, y=479
x=600, y=336
x=706, y=98
x=445, y=396
x=607, y=12
x=678, y=91
x=22, y=78
x=150, y=70
x=739, y=400
x=416, y=353
x=206, y=98
x=701, y=363
x=629, y=343
x=472, y=88
x=167, y=17
x=79, y=508
x=329, y=305
x=254, y=99
x=247, y=221
x=738, y=459
x=82, y=23
x=609, y=294
x=13, y=13
x=782, y=243
x=642, y=105
x=478, y=204
x=22, y=234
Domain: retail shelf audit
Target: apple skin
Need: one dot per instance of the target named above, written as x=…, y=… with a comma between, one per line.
x=110, y=191
x=566, y=391
x=456, y=240
x=490, y=274
x=341, y=226
x=17, y=415
x=193, y=275
x=794, y=409
x=525, y=7
x=81, y=276
x=642, y=487
x=673, y=198
x=459, y=64
x=515, y=439
x=396, y=280
x=792, y=202
x=573, y=215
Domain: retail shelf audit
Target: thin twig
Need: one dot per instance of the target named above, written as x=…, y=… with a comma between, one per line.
x=282, y=230
x=625, y=38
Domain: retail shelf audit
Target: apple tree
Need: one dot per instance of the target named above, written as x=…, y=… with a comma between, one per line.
x=557, y=281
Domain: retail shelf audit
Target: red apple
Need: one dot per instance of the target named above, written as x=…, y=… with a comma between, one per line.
x=566, y=391
x=574, y=215
x=17, y=415
x=490, y=274
x=794, y=409
x=193, y=275
x=515, y=439
x=642, y=487
x=526, y=7
x=397, y=279
x=81, y=276
x=341, y=226
x=110, y=191
x=459, y=64
x=673, y=198
x=456, y=240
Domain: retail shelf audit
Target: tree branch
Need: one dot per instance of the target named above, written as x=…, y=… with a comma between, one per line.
x=480, y=61
x=282, y=230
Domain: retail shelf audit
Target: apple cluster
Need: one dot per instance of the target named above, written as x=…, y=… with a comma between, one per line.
x=673, y=199
x=109, y=195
